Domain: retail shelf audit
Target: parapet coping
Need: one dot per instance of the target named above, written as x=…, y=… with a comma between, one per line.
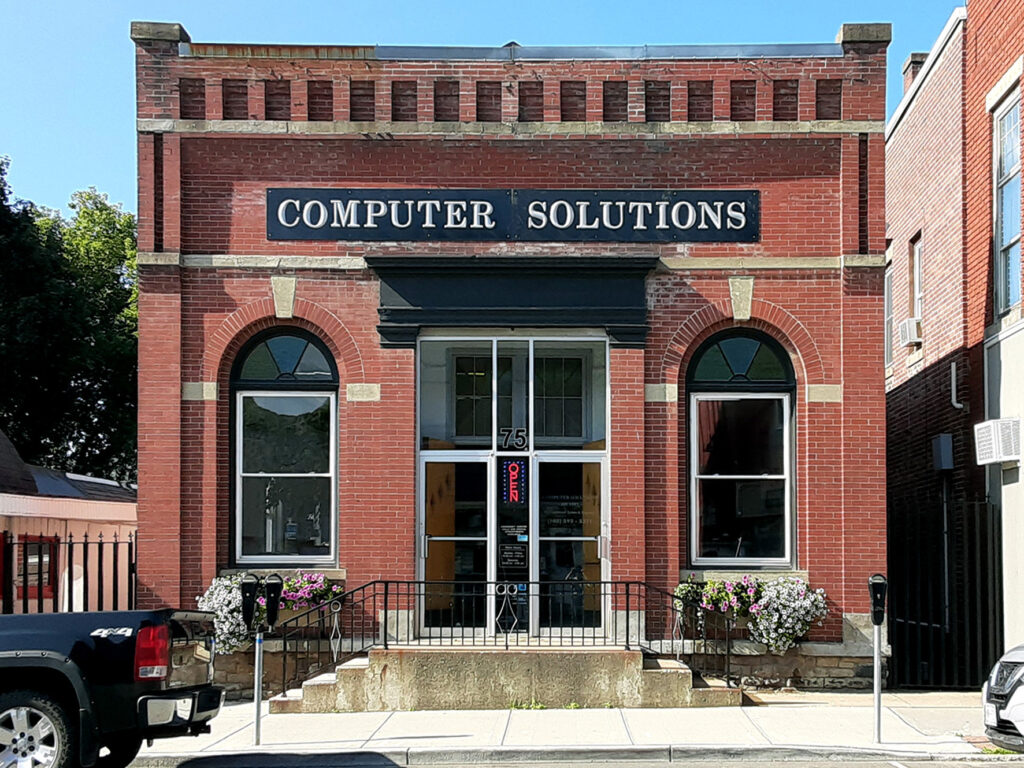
x=512, y=53
x=387, y=130
x=878, y=33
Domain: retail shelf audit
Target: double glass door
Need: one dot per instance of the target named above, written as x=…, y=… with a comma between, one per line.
x=512, y=468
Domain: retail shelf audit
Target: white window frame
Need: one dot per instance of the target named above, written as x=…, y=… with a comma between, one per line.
x=695, y=478
x=999, y=182
x=887, y=323
x=332, y=473
x=917, y=277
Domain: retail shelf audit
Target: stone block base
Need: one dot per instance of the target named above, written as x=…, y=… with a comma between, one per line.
x=795, y=669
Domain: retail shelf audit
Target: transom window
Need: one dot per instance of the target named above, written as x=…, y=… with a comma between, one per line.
x=285, y=399
x=473, y=397
x=740, y=388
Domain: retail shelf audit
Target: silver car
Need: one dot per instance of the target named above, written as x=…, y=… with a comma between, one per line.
x=1003, y=700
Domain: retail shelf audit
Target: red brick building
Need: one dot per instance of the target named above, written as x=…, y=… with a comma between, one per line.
x=953, y=375
x=383, y=286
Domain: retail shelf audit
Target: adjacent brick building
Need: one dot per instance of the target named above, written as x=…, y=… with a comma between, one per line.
x=953, y=227
x=730, y=287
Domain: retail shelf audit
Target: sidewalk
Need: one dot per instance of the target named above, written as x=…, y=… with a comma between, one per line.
x=777, y=726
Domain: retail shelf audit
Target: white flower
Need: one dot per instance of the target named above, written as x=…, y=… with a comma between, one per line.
x=788, y=610
x=224, y=598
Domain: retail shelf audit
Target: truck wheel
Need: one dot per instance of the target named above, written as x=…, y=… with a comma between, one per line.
x=34, y=731
x=121, y=752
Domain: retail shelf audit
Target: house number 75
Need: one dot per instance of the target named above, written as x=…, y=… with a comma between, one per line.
x=516, y=438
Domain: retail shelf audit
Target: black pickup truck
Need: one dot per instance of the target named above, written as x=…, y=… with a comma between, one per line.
x=85, y=689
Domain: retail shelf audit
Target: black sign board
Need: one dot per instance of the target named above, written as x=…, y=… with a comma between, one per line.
x=468, y=215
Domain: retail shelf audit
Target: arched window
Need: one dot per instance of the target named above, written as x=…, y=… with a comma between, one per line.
x=740, y=385
x=285, y=388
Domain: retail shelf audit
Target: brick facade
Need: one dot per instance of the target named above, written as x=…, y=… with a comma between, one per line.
x=925, y=204
x=940, y=193
x=995, y=45
x=206, y=264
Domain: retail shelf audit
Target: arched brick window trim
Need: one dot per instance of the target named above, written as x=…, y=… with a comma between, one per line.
x=766, y=317
x=248, y=320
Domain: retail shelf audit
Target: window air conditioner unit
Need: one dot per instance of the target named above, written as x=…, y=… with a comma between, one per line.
x=997, y=440
x=910, y=332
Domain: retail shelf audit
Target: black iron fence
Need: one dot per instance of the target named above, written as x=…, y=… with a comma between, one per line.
x=607, y=614
x=53, y=574
x=945, y=591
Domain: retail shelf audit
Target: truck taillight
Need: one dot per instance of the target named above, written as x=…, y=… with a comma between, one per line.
x=152, y=649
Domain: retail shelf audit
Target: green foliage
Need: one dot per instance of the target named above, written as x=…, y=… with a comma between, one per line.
x=780, y=611
x=523, y=704
x=68, y=333
x=736, y=596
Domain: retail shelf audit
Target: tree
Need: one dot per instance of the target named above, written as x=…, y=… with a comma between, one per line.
x=68, y=333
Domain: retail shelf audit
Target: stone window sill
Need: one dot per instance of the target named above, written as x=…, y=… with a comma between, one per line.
x=703, y=574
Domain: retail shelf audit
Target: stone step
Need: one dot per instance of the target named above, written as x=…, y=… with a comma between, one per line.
x=319, y=693
x=714, y=692
x=287, y=703
x=461, y=678
x=665, y=683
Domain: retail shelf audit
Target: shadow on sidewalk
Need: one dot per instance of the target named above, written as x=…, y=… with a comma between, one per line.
x=293, y=760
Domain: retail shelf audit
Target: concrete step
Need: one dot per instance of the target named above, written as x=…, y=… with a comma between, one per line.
x=714, y=692
x=665, y=683
x=287, y=703
x=319, y=693
x=462, y=678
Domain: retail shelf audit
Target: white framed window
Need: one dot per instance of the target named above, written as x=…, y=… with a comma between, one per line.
x=1006, y=203
x=553, y=392
x=917, y=277
x=285, y=452
x=888, y=324
x=741, y=452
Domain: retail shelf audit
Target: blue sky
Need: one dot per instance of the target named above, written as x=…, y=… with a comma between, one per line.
x=67, y=99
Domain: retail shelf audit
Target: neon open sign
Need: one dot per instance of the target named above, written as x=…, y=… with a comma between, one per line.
x=513, y=481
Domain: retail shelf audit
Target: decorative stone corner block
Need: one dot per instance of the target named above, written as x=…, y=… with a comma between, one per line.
x=661, y=393
x=199, y=390
x=362, y=393
x=824, y=393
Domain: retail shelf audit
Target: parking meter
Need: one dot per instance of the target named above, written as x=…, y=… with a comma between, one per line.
x=878, y=586
x=273, y=586
x=250, y=590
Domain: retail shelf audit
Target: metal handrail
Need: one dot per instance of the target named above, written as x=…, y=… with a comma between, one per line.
x=632, y=615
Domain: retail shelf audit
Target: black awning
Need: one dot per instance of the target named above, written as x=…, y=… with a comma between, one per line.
x=512, y=291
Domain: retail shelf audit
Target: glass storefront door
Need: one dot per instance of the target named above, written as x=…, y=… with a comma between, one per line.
x=512, y=467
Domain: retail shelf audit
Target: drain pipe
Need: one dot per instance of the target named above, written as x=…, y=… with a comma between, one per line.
x=952, y=387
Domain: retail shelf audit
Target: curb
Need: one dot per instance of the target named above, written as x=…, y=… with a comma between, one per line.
x=415, y=756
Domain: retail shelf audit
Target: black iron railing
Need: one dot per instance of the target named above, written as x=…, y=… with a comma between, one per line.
x=51, y=574
x=611, y=614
